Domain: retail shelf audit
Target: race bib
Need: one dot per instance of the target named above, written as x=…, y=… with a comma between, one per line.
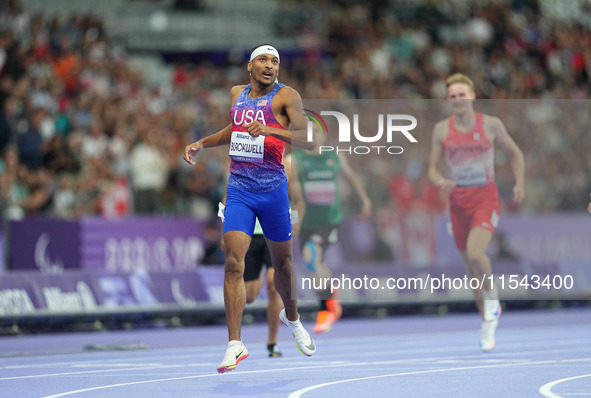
x=246, y=148
x=320, y=192
x=472, y=175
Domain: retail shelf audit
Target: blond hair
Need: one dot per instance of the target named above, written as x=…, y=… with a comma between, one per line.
x=459, y=78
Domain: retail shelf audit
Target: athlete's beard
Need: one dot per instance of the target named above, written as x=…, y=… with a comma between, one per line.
x=264, y=83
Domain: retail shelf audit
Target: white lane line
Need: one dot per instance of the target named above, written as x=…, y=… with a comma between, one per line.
x=64, y=394
x=164, y=353
x=464, y=351
x=299, y=393
x=324, y=364
x=332, y=366
x=546, y=389
x=417, y=337
x=159, y=355
x=92, y=371
x=505, y=357
x=577, y=360
x=105, y=356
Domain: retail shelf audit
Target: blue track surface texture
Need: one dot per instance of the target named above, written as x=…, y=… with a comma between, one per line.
x=538, y=353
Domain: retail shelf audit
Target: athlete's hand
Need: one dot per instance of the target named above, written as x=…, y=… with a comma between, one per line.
x=589, y=207
x=447, y=186
x=256, y=128
x=191, y=151
x=518, y=194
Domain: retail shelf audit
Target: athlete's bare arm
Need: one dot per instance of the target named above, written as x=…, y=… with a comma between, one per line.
x=507, y=144
x=589, y=206
x=357, y=186
x=222, y=137
x=439, y=133
x=289, y=110
x=294, y=187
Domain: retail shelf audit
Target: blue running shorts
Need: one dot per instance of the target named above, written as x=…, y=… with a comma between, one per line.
x=272, y=209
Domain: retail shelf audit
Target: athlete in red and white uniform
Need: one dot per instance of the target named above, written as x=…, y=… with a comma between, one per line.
x=469, y=159
x=466, y=141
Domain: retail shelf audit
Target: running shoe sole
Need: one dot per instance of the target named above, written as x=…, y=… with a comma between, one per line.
x=224, y=369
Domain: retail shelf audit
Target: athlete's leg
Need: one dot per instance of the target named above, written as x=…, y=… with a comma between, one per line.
x=473, y=229
x=284, y=276
x=236, y=243
x=285, y=284
x=273, y=214
x=486, y=299
x=460, y=222
x=478, y=262
x=273, y=308
x=238, y=228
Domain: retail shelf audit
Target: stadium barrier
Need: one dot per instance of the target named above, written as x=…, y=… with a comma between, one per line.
x=98, y=267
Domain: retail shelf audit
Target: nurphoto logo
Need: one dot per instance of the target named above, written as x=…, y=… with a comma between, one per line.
x=388, y=125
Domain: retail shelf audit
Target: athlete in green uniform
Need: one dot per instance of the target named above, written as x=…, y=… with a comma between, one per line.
x=317, y=174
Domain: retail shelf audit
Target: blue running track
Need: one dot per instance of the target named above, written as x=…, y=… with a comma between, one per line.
x=539, y=353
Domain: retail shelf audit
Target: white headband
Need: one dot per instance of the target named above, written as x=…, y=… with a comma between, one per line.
x=265, y=49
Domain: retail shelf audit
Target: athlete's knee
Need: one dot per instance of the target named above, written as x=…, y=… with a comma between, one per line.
x=234, y=266
x=476, y=257
x=283, y=265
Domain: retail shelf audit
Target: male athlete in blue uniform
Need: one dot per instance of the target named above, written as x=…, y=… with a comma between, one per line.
x=262, y=113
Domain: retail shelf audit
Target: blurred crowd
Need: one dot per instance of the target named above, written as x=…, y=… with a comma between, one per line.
x=512, y=49
x=82, y=133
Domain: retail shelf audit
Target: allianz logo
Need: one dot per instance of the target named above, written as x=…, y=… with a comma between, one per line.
x=80, y=299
